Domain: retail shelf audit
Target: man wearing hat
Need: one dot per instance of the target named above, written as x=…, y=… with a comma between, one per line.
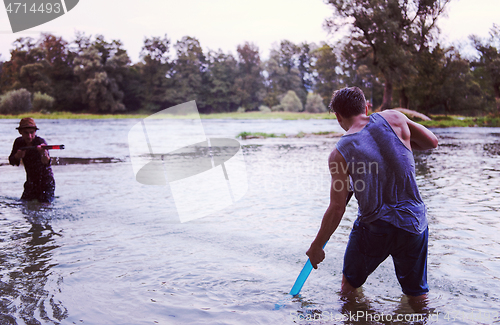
x=40, y=182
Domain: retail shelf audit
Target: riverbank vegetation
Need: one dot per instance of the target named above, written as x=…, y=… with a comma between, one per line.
x=263, y=135
x=491, y=120
x=402, y=64
x=229, y=115
x=460, y=121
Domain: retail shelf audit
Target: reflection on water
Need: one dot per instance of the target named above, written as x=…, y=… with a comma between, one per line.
x=84, y=161
x=26, y=259
x=111, y=251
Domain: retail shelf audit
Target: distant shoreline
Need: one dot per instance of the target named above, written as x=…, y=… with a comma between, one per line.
x=262, y=135
x=438, y=121
x=232, y=115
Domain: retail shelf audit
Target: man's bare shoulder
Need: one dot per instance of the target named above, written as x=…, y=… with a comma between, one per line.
x=393, y=116
x=336, y=157
x=399, y=123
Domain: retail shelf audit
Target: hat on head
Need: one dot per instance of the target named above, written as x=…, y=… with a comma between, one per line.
x=27, y=123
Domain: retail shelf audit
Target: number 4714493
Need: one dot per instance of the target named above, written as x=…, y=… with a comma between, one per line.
x=42, y=8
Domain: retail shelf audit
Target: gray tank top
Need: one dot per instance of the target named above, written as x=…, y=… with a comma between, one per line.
x=382, y=169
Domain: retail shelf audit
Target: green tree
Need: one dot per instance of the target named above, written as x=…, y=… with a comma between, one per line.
x=153, y=70
x=100, y=66
x=222, y=72
x=60, y=71
x=305, y=65
x=326, y=74
x=283, y=73
x=360, y=72
x=25, y=68
x=187, y=75
x=488, y=63
x=391, y=31
x=444, y=83
x=274, y=89
x=34, y=78
x=131, y=86
x=42, y=66
x=250, y=88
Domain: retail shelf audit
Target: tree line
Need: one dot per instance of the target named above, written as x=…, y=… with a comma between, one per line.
x=392, y=52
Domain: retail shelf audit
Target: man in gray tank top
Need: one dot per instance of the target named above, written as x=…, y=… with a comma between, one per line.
x=375, y=159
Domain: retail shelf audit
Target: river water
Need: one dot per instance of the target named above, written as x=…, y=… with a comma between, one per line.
x=110, y=250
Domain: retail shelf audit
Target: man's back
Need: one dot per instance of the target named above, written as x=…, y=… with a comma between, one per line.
x=382, y=169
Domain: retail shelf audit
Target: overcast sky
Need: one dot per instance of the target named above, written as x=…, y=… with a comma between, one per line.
x=223, y=24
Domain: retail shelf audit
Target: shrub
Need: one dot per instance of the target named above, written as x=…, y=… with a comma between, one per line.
x=264, y=109
x=314, y=103
x=42, y=102
x=15, y=102
x=291, y=102
x=241, y=109
x=277, y=108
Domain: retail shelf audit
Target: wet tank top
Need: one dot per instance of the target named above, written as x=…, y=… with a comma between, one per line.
x=382, y=169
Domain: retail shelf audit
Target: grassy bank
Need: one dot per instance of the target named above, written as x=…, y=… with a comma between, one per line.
x=461, y=121
x=262, y=135
x=267, y=116
x=233, y=115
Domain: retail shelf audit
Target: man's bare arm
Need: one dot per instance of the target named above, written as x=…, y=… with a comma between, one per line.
x=421, y=138
x=413, y=135
x=335, y=211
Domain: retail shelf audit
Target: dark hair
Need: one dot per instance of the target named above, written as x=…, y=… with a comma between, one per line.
x=348, y=102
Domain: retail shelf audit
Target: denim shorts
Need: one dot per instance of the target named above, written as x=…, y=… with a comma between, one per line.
x=371, y=243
